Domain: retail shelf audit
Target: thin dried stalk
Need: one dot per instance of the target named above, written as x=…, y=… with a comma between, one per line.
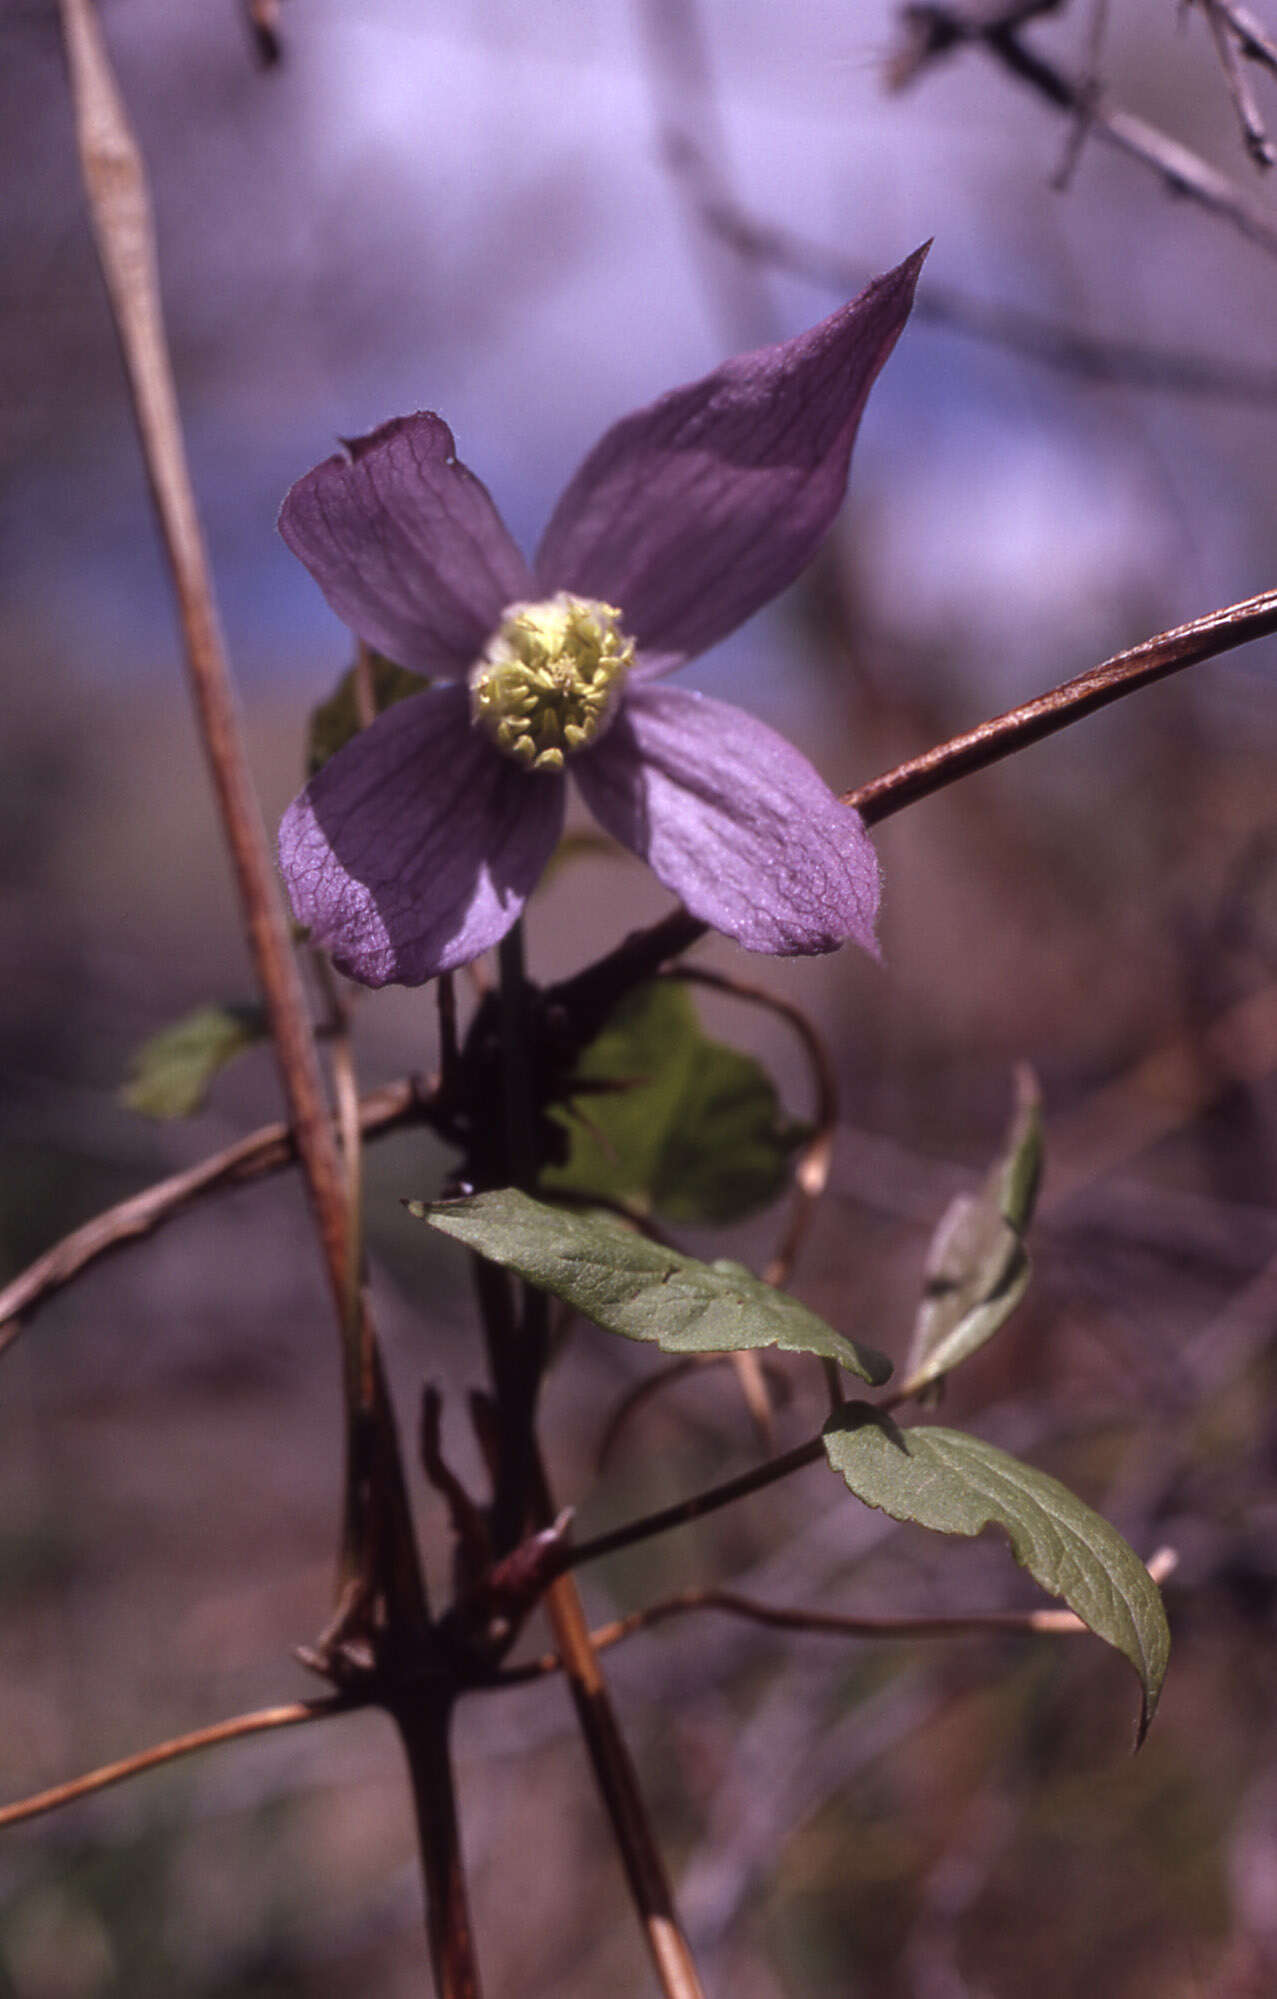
x=618, y=1785
x=1139, y=666
x=120, y=212
x=934, y=31
x=1054, y=1623
x=260, y=1722
x=267, y=1150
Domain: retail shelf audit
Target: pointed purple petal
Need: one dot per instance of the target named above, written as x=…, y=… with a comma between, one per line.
x=692, y=513
x=416, y=847
x=735, y=821
x=406, y=545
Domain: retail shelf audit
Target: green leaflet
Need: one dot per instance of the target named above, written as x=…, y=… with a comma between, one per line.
x=957, y=1484
x=693, y=1129
x=977, y=1267
x=335, y=721
x=171, y=1073
x=632, y=1286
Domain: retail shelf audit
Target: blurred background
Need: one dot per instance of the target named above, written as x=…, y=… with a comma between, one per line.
x=533, y=217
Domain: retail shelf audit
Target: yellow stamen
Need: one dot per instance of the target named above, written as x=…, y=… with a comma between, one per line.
x=549, y=679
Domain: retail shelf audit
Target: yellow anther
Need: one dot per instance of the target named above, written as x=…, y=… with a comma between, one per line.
x=550, y=677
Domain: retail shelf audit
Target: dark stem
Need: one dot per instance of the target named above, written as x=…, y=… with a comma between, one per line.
x=518, y=1355
x=686, y=1510
x=517, y=1340
x=424, y=1729
x=520, y=1124
x=1155, y=658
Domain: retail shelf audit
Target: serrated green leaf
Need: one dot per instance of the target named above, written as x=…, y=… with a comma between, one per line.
x=171, y=1073
x=630, y=1285
x=335, y=721
x=694, y=1132
x=958, y=1484
x=977, y=1267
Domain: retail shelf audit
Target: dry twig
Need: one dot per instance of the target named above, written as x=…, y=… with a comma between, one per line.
x=257, y=1723
x=1054, y=1623
x=932, y=31
x=267, y=1150
x=1031, y=335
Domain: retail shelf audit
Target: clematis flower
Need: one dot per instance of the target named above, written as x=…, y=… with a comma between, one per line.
x=417, y=845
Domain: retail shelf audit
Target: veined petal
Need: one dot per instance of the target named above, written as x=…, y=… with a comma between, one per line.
x=693, y=512
x=735, y=821
x=416, y=847
x=406, y=545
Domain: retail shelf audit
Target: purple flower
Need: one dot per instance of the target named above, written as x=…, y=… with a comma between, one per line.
x=417, y=846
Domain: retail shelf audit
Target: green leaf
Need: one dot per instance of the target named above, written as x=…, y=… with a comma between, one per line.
x=629, y=1285
x=171, y=1074
x=335, y=721
x=691, y=1128
x=977, y=1267
x=957, y=1484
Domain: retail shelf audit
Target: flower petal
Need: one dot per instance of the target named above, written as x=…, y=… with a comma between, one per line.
x=406, y=545
x=416, y=847
x=691, y=513
x=735, y=821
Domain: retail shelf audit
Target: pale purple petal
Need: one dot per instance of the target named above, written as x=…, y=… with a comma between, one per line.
x=406, y=545
x=735, y=821
x=693, y=512
x=416, y=847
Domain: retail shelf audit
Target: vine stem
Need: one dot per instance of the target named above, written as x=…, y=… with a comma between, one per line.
x=684, y=1511
x=424, y=1730
x=518, y=1374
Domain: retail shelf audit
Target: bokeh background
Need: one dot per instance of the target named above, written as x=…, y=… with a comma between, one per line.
x=479, y=210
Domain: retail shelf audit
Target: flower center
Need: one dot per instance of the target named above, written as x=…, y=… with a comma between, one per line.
x=550, y=677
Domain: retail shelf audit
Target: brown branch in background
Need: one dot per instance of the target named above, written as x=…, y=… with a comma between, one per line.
x=1253, y=39
x=267, y=1150
x=684, y=100
x=1032, y=335
x=933, y=31
x=1090, y=93
x=1139, y=666
x=1159, y=1094
x=1228, y=47
x=258, y=1723
x=1056, y=1623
